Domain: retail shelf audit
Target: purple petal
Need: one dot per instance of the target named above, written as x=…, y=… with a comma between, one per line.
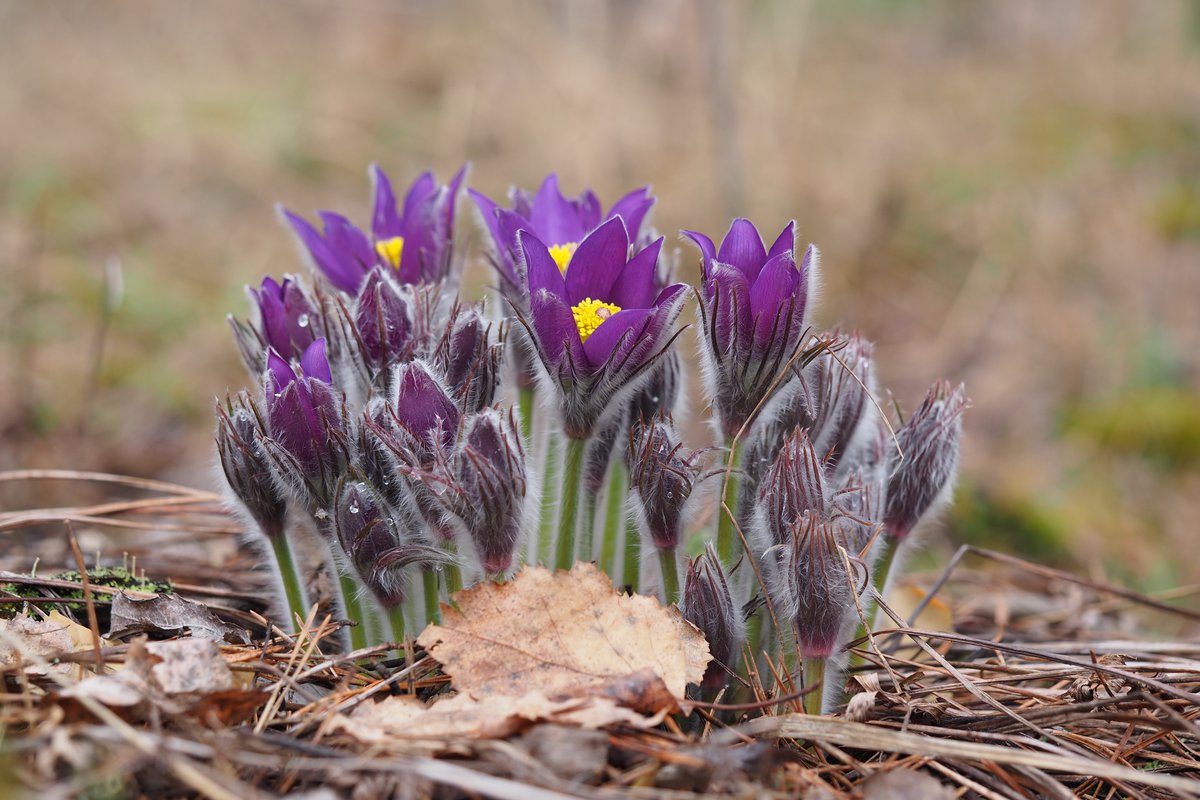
x=743, y=248
x=279, y=372
x=772, y=293
x=555, y=218
x=555, y=328
x=385, y=222
x=343, y=276
x=273, y=313
x=314, y=363
x=598, y=262
x=423, y=188
x=785, y=242
x=727, y=294
x=633, y=208
x=588, y=211
x=616, y=335
x=636, y=286
x=542, y=273
x=708, y=250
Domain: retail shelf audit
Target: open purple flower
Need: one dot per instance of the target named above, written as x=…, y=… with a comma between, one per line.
x=559, y=222
x=599, y=324
x=416, y=239
x=753, y=302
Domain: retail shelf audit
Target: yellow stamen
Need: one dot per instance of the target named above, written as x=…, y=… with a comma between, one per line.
x=390, y=250
x=561, y=253
x=590, y=313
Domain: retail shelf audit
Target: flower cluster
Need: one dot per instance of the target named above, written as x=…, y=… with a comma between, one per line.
x=406, y=434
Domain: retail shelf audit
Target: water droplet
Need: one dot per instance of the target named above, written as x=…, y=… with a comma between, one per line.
x=302, y=321
x=353, y=508
x=670, y=495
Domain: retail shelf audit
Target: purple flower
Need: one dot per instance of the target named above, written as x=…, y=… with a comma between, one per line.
x=382, y=324
x=924, y=469
x=469, y=355
x=753, y=303
x=488, y=488
x=599, y=325
x=817, y=590
x=794, y=485
x=308, y=442
x=560, y=222
x=662, y=474
x=288, y=319
x=708, y=604
x=415, y=239
x=247, y=471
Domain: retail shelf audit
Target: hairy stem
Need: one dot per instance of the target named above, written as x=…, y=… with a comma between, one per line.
x=572, y=478
x=587, y=522
x=670, y=574
x=525, y=409
x=728, y=544
x=813, y=675
x=289, y=576
x=614, y=516
x=432, y=592
x=354, y=610
x=395, y=616
x=549, y=501
x=631, y=574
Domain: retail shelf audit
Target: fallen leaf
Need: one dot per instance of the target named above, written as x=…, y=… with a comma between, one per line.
x=566, y=634
x=46, y=638
x=462, y=716
x=168, y=615
x=189, y=666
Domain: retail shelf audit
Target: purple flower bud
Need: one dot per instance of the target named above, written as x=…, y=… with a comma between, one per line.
x=248, y=473
x=286, y=318
x=599, y=326
x=308, y=429
x=708, y=604
x=372, y=540
x=469, y=356
x=661, y=390
x=841, y=382
x=662, y=476
x=924, y=469
x=817, y=590
x=383, y=323
x=424, y=411
x=489, y=496
x=794, y=486
x=753, y=305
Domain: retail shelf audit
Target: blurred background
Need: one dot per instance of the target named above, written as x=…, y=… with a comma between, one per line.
x=1005, y=193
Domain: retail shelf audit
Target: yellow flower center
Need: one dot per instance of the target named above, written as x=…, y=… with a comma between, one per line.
x=590, y=313
x=390, y=250
x=561, y=253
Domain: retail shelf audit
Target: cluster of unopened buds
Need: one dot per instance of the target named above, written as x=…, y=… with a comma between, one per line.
x=404, y=443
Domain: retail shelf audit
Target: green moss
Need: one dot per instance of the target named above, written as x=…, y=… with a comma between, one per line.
x=1159, y=423
x=112, y=577
x=1012, y=523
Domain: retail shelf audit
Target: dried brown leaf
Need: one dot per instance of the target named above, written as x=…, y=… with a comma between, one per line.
x=566, y=634
x=42, y=638
x=169, y=615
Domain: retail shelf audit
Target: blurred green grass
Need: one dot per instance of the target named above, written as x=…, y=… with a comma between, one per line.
x=1005, y=193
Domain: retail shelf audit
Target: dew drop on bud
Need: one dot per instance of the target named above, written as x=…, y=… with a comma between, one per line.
x=302, y=321
x=353, y=508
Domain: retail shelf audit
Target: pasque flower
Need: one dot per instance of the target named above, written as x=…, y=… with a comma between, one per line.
x=559, y=222
x=708, y=604
x=415, y=239
x=600, y=324
x=285, y=316
x=309, y=433
x=753, y=304
x=240, y=432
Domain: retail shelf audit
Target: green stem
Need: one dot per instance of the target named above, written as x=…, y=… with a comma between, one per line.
x=525, y=409
x=670, y=574
x=728, y=544
x=289, y=576
x=614, y=517
x=880, y=574
x=354, y=611
x=813, y=674
x=631, y=574
x=588, y=532
x=568, y=514
x=395, y=616
x=429, y=582
x=549, y=479
x=454, y=581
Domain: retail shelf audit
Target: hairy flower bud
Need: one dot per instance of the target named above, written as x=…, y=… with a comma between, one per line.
x=383, y=323
x=708, y=604
x=794, y=486
x=373, y=541
x=926, y=463
x=285, y=317
x=662, y=475
x=489, y=490
x=309, y=434
x=841, y=380
x=817, y=590
x=248, y=473
x=469, y=356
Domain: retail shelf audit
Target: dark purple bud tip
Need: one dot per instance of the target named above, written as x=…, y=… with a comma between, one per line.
x=246, y=469
x=662, y=475
x=489, y=498
x=793, y=486
x=708, y=604
x=925, y=461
